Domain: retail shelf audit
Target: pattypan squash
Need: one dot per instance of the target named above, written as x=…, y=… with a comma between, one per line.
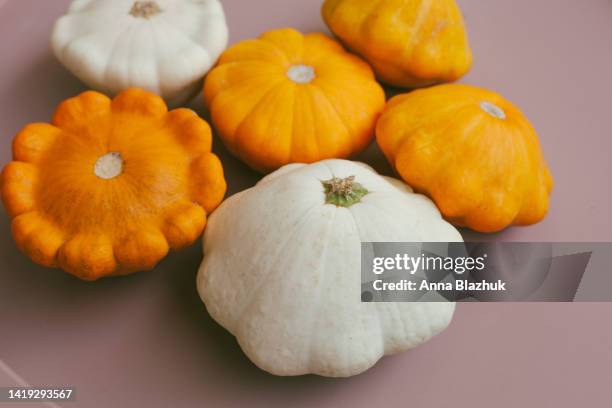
x=287, y=98
x=110, y=186
x=163, y=46
x=409, y=43
x=282, y=272
x=472, y=151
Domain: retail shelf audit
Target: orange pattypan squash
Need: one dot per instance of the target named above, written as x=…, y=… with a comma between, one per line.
x=288, y=97
x=110, y=186
x=409, y=43
x=473, y=152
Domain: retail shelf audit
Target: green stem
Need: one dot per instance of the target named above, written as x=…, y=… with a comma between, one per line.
x=343, y=192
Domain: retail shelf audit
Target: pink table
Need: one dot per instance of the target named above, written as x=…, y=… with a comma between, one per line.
x=146, y=340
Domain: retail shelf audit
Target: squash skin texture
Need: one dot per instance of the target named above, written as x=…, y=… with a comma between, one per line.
x=268, y=120
x=291, y=292
x=409, y=43
x=66, y=216
x=483, y=172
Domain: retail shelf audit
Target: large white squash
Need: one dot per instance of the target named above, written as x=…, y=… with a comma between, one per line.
x=282, y=273
x=163, y=46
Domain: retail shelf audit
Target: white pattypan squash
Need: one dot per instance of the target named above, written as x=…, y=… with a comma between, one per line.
x=163, y=46
x=282, y=273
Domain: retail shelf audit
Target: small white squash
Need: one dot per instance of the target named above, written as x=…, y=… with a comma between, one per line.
x=282, y=273
x=163, y=46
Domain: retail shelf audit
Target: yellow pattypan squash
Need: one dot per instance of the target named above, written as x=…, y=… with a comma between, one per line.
x=287, y=97
x=409, y=43
x=110, y=186
x=473, y=152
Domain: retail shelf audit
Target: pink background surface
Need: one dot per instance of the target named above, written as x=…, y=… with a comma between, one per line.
x=146, y=340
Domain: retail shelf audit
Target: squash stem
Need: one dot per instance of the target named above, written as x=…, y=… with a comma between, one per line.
x=145, y=9
x=493, y=110
x=301, y=74
x=109, y=166
x=343, y=192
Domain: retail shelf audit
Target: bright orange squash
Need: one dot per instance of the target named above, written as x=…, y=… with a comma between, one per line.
x=409, y=43
x=288, y=97
x=473, y=152
x=110, y=186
